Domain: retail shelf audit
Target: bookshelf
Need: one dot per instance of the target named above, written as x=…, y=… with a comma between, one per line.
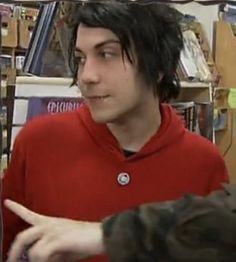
x=16, y=29
x=225, y=54
x=197, y=85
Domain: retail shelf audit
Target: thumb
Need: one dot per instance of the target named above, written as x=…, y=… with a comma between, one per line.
x=24, y=213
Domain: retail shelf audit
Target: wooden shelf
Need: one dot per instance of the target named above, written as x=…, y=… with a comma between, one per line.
x=13, y=49
x=185, y=84
x=32, y=4
x=195, y=91
x=225, y=53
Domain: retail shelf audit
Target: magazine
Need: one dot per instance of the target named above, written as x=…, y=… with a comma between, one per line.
x=35, y=96
x=51, y=105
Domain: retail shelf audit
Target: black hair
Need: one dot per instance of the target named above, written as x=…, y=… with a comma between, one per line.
x=152, y=29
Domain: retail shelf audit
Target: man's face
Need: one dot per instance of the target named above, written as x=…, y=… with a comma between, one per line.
x=109, y=83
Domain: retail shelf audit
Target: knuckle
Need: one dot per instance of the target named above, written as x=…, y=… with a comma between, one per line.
x=20, y=237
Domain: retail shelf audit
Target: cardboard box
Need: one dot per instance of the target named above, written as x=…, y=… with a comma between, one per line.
x=30, y=13
x=25, y=32
x=9, y=31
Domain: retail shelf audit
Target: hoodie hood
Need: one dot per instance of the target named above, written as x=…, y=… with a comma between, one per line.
x=170, y=131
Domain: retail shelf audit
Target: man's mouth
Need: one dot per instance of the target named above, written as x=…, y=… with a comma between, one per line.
x=97, y=97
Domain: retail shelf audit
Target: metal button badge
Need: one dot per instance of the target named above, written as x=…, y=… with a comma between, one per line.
x=123, y=179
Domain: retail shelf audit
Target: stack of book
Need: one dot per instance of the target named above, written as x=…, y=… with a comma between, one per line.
x=193, y=65
x=197, y=117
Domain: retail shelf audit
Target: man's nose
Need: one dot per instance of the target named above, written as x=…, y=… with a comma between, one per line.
x=88, y=73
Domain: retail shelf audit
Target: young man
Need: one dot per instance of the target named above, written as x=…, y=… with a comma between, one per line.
x=123, y=147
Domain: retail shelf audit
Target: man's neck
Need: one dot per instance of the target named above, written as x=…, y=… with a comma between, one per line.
x=134, y=131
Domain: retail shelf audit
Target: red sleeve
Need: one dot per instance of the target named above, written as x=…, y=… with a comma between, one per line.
x=219, y=174
x=14, y=189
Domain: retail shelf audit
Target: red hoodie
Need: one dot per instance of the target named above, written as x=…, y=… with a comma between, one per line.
x=67, y=165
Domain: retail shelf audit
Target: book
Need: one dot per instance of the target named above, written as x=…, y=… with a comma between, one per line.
x=197, y=117
x=192, y=61
x=51, y=105
x=204, y=119
x=40, y=39
x=186, y=111
x=220, y=119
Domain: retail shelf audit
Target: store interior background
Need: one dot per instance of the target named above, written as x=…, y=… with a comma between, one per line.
x=225, y=139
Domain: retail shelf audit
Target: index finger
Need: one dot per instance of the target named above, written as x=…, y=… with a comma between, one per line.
x=24, y=213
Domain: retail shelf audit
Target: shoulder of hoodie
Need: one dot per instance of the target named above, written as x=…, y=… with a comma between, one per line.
x=201, y=146
x=51, y=126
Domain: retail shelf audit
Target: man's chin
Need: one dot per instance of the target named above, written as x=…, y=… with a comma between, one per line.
x=101, y=119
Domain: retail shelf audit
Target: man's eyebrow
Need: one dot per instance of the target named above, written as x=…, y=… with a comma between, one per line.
x=110, y=41
x=99, y=45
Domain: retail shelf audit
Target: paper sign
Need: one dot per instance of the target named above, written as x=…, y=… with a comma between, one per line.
x=232, y=98
x=4, y=32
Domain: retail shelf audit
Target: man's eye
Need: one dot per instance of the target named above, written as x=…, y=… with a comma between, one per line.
x=106, y=54
x=80, y=60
